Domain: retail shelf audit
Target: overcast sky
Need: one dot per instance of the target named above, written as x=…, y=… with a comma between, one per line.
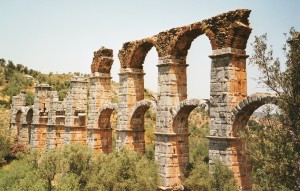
x=61, y=35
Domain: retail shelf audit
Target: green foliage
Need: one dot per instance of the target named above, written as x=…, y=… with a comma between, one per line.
x=150, y=119
x=69, y=182
x=198, y=142
x=123, y=170
x=22, y=175
x=75, y=160
x=150, y=151
x=5, y=144
x=222, y=178
x=275, y=150
x=14, y=74
x=16, y=80
x=74, y=167
x=6, y=141
x=201, y=179
x=29, y=98
x=198, y=178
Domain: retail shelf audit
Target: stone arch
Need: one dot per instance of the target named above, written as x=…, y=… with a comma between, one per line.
x=240, y=116
x=138, y=112
x=132, y=54
x=141, y=107
x=245, y=108
x=185, y=108
x=180, y=140
x=227, y=30
x=185, y=38
x=104, y=115
x=137, y=124
x=103, y=135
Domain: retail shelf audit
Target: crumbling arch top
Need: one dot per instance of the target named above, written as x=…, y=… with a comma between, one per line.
x=102, y=61
x=133, y=54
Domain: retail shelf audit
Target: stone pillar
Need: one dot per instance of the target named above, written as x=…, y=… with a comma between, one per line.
x=16, y=114
x=76, y=109
x=131, y=91
x=228, y=87
x=51, y=141
x=40, y=117
x=100, y=138
x=172, y=90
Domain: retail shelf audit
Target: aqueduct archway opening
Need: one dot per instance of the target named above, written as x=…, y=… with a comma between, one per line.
x=198, y=70
x=241, y=116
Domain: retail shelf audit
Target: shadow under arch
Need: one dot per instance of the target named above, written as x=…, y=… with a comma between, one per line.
x=18, y=123
x=180, y=140
x=241, y=115
x=29, y=118
x=104, y=136
x=137, y=124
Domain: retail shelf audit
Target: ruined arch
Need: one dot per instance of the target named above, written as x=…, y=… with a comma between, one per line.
x=103, y=135
x=132, y=54
x=137, y=123
x=102, y=61
x=245, y=108
x=229, y=29
x=185, y=38
x=104, y=115
x=183, y=110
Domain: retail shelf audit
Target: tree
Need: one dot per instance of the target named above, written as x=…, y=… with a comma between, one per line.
x=275, y=151
x=2, y=62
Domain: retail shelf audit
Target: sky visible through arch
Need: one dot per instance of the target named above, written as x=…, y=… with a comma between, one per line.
x=61, y=36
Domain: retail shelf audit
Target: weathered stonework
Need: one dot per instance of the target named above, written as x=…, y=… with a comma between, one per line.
x=50, y=123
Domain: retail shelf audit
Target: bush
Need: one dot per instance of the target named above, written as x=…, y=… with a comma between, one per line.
x=123, y=170
x=29, y=98
x=200, y=179
x=5, y=145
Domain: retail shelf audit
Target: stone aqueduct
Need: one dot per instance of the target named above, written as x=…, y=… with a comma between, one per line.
x=84, y=117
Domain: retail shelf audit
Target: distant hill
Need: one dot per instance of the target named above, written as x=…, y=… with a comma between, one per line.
x=17, y=77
